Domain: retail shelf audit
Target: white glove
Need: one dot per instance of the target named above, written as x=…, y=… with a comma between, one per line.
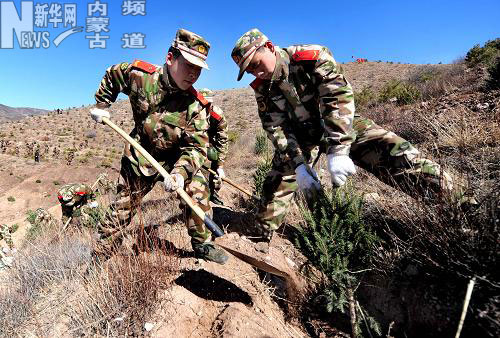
x=307, y=179
x=172, y=182
x=340, y=166
x=97, y=114
x=93, y=204
x=221, y=173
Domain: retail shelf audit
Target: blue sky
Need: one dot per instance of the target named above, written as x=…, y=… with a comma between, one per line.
x=417, y=32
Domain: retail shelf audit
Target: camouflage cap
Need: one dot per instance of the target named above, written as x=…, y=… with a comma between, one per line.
x=245, y=48
x=207, y=94
x=193, y=47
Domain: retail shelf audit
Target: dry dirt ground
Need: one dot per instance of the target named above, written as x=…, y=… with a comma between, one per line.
x=205, y=299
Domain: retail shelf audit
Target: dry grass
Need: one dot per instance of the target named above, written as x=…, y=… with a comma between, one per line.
x=56, y=287
x=434, y=81
x=442, y=241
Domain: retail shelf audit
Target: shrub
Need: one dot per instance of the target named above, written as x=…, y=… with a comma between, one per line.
x=232, y=136
x=95, y=217
x=483, y=56
x=403, y=92
x=263, y=168
x=11, y=199
x=493, y=81
x=38, y=181
x=261, y=144
x=434, y=81
x=56, y=182
x=31, y=216
x=14, y=228
x=335, y=239
x=365, y=98
x=37, y=227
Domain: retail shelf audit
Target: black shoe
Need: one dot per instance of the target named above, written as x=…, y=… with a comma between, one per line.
x=209, y=252
x=216, y=199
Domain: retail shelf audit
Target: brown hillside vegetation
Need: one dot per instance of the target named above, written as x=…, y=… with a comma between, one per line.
x=413, y=286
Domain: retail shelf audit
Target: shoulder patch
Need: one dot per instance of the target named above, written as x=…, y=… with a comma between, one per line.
x=198, y=96
x=215, y=114
x=306, y=55
x=144, y=66
x=256, y=83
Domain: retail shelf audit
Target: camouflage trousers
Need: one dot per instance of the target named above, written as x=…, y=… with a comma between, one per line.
x=132, y=188
x=389, y=157
x=214, y=183
x=79, y=214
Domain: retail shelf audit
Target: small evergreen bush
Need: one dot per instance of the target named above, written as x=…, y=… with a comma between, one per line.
x=335, y=239
x=485, y=55
x=263, y=168
x=493, y=81
x=403, y=92
x=261, y=144
x=365, y=98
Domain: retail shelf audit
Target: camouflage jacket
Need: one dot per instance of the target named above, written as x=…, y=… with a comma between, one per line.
x=306, y=102
x=217, y=133
x=75, y=195
x=169, y=123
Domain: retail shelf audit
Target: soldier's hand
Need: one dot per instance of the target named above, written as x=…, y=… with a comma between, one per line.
x=340, y=166
x=97, y=114
x=307, y=178
x=172, y=182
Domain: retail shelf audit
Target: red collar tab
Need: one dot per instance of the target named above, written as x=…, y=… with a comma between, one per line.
x=306, y=55
x=60, y=197
x=145, y=66
x=215, y=115
x=256, y=83
x=81, y=193
x=199, y=96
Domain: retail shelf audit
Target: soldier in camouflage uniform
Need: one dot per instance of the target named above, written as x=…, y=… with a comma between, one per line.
x=77, y=200
x=171, y=124
x=304, y=101
x=44, y=218
x=217, y=151
x=6, y=235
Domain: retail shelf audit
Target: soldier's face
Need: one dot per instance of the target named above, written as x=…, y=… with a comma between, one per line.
x=262, y=64
x=184, y=73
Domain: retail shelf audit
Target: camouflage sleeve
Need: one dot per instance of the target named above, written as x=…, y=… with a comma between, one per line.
x=336, y=101
x=277, y=125
x=193, y=146
x=115, y=80
x=220, y=138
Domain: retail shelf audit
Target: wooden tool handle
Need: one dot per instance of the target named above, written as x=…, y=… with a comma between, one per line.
x=216, y=230
x=237, y=186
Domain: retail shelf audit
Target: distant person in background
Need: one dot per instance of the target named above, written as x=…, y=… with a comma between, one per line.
x=77, y=200
x=6, y=235
x=217, y=150
x=37, y=153
x=304, y=102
